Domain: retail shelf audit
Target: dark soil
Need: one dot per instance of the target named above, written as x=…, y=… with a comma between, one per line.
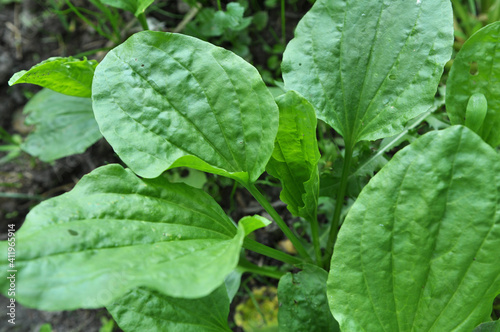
x=32, y=31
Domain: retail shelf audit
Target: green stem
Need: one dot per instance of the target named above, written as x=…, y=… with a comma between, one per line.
x=246, y=266
x=277, y=218
x=270, y=252
x=472, y=5
x=219, y=5
x=143, y=21
x=332, y=237
x=315, y=240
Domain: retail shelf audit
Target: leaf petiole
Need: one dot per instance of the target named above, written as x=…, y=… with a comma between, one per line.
x=277, y=218
x=332, y=237
x=262, y=249
x=143, y=21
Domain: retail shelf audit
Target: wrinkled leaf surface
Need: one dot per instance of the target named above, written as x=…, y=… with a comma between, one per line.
x=295, y=157
x=114, y=232
x=303, y=302
x=165, y=100
x=419, y=249
x=366, y=72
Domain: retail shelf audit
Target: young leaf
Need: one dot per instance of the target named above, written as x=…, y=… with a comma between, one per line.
x=303, y=302
x=146, y=310
x=68, y=76
x=474, y=71
x=114, y=232
x=477, y=107
x=64, y=125
x=136, y=7
x=418, y=250
x=252, y=223
x=165, y=100
x=295, y=157
x=365, y=72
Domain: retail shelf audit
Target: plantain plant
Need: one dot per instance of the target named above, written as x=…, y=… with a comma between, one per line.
x=418, y=250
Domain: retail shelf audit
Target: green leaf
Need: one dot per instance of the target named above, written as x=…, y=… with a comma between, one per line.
x=204, y=25
x=474, y=71
x=136, y=7
x=488, y=327
x=365, y=72
x=165, y=100
x=260, y=20
x=114, y=232
x=64, y=125
x=232, y=18
x=68, y=76
x=303, y=302
x=252, y=223
x=295, y=157
x=233, y=282
x=418, y=250
x=477, y=107
x=147, y=310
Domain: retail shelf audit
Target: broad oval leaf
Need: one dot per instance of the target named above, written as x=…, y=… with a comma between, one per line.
x=295, y=157
x=64, y=125
x=114, y=232
x=475, y=70
x=303, y=302
x=366, y=72
x=165, y=100
x=145, y=310
x=136, y=7
x=477, y=108
x=418, y=250
x=68, y=76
